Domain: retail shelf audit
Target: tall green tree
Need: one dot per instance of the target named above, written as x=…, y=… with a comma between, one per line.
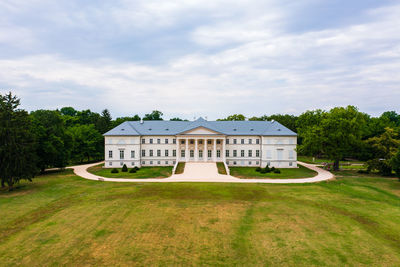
x=53, y=141
x=17, y=143
x=155, y=115
x=234, y=117
x=386, y=145
x=104, y=123
x=338, y=132
x=120, y=120
x=87, y=143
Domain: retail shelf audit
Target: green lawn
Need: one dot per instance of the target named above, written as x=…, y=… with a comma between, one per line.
x=286, y=173
x=221, y=168
x=308, y=159
x=143, y=172
x=61, y=219
x=180, y=168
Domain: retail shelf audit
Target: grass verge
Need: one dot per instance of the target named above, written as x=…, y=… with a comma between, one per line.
x=221, y=168
x=180, y=168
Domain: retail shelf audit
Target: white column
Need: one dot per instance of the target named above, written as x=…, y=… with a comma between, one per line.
x=205, y=153
x=187, y=149
x=177, y=150
x=223, y=149
x=196, y=153
x=215, y=150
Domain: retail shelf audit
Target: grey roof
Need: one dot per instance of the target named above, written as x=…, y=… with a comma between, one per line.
x=273, y=128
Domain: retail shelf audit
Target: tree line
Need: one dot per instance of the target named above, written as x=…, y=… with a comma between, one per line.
x=42, y=139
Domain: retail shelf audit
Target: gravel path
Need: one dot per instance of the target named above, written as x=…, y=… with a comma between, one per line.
x=206, y=172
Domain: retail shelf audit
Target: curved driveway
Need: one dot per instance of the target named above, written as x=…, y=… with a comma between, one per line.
x=198, y=172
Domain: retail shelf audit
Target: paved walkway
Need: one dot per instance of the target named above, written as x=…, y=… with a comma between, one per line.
x=206, y=172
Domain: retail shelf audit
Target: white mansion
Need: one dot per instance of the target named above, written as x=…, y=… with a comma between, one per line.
x=163, y=143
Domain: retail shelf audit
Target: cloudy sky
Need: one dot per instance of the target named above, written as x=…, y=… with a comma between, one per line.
x=201, y=58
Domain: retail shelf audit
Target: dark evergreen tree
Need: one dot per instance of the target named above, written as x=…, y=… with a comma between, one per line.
x=17, y=143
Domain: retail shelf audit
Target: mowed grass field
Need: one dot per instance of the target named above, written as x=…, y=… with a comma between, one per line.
x=61, y=219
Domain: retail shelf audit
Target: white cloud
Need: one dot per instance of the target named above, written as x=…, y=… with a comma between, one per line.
x=265, y=68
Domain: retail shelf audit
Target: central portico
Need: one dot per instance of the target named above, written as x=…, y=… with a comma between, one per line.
x=201, y=148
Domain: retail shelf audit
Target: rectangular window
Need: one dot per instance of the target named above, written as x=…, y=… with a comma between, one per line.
x=143, y=153
x=182, y=142
x=110, y=154
x=159, y=162
x=174, y=153
x=242, y=153
x=121, y=163
x=158, y=141
x=234, y=153
x=143, y=141
x=226, y=153
x=234, y=163
x=200, y=153
x=290, y=154
x=158, y=153
x=151, y=152
x=209, y=153
x=227, y=141
x=166, y=153
x=234, y=141
x=191, y=142
x=151, y=162
x=257, y=141
x=191, y=153
x=279, y=153
x=166, y=140
x=110, y=163
x=250, y=153
x=182, y=153
x=242, y=141
x=133, y=163
x=174, y=141
x=290, y=164
x=209, y=142
x=218, y=142
x=218, y=153
x=200, y=142
x=250, y=141
x=257, y=153
x=151, y=140
x=143, y=162
x=121, y=154
x=249, y=162
x=166, y=162
x=132, y=154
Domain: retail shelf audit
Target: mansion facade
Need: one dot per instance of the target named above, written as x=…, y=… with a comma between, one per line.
x=164, y=143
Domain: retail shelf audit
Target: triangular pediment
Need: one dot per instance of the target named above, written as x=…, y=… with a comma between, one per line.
x=200, y=131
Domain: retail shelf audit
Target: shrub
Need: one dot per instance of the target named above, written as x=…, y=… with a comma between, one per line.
x=114, y=170
x=258, y=169
x=277, y=171
x=396, y=164
x=363, y=171
x=263, y=171
x=382, y=166
x=133, y=170
x=124, y=168
x=267, y=169
x=136, y=168
x=272, y=169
